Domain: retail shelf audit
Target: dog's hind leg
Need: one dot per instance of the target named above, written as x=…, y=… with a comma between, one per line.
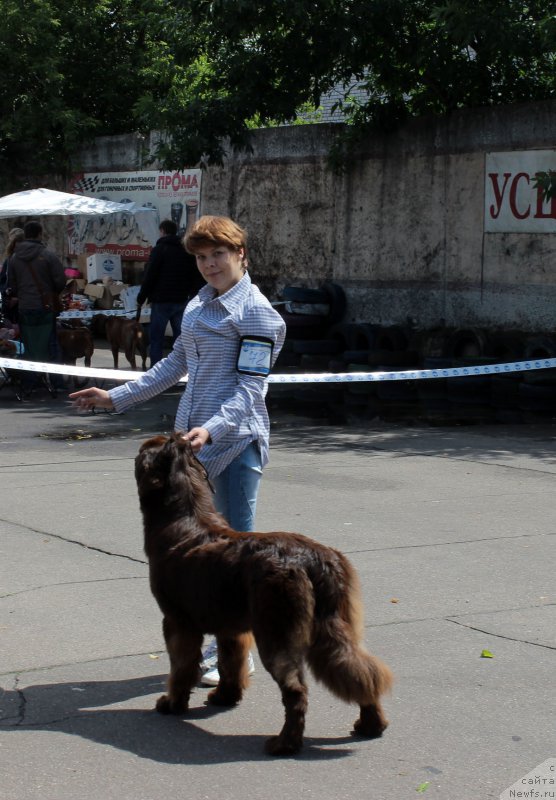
x=286, y=667
x=283, y=628
x=348, y=671
x=130, y=355
x=338, y=660
x=232, y=668
x=184, y=649
x=115, y=354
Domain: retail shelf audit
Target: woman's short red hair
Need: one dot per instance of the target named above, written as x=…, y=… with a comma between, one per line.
x=209, y=231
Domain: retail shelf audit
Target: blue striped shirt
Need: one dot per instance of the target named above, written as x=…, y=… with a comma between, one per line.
x=229, y=404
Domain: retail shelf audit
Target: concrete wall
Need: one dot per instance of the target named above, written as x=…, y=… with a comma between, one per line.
x=401, y=229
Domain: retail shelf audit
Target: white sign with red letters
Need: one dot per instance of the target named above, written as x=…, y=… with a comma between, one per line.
x=513, y=204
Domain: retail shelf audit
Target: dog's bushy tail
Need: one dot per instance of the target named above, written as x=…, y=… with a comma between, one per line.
x=336, y=657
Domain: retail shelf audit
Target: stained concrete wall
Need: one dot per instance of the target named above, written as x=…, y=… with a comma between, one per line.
x=401, y=228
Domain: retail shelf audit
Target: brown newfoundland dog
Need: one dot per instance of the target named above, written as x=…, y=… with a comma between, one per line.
x=298, y=598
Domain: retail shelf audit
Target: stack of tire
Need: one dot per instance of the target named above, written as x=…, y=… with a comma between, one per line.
x=513, y=397
x=536, y=392
x=319, y=340
x=365, y=347
x=308, y=314
x=460, y=400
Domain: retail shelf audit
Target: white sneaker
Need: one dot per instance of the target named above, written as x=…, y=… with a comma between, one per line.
x=211, y=676
x=210, y=657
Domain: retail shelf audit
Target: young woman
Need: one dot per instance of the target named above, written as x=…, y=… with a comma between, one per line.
x=230, y=338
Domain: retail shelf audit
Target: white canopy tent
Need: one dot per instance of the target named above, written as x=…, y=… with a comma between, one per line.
x=47, y=202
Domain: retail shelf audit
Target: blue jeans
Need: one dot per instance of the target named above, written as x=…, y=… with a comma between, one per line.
x=236, y=489
x=161, y=315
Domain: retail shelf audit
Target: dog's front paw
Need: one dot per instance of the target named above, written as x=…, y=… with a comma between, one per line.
x=165, y=705
x=279, y=746
x=224, y=697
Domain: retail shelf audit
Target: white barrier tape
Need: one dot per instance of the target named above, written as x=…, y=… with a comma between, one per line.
x=90, y=313
x=415, y=374
x=321, y=377
x=63, y=369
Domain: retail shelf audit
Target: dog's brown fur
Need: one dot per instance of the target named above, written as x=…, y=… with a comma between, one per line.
x=74, y=344
x=298, y=598
x=98, y=325
x=129, y=336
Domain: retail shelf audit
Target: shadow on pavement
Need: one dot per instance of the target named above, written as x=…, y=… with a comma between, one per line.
x=77, y=709
x=469, y=441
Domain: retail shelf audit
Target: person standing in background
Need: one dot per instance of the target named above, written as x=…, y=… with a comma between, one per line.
x=171, y=280
x=36, y=277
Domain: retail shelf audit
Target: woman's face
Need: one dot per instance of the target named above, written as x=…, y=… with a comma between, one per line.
x=220, y=266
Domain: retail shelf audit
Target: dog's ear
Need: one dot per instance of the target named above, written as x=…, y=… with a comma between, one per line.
x=155, y=442
x=151, y=464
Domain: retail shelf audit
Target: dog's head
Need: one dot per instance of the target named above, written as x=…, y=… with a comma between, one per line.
x=167, y=468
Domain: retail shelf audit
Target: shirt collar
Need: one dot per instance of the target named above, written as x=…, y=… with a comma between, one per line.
x=232, y=298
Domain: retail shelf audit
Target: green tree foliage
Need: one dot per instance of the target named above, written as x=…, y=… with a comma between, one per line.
x=264, y=58
x=206, y=71
x=71, y=70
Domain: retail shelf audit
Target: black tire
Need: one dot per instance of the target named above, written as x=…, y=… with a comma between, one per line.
x=395, y=358
x=472, y=389
x=302, y=294
x=466, y=398
x=432, y=344
x=358, y=388
x=286, y=359
x=314, y=363
x=467, y=343
x=320, y=393
x=391, y=338
x=336, y=298
x=303, y=326
x=506, y=347
x=467, y=414
x=436, y=411
x=316, y=346
x=538, y=347
x=337, y=365
x=365, y=335
x=537, y=398
x=356, y=356
x=404, y=392
x=542, y=377
x=433, y=390
x=345, y=333
x=437, y=363
x=504, y=391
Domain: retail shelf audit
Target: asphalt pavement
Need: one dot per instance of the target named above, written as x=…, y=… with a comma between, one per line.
x=452, y=531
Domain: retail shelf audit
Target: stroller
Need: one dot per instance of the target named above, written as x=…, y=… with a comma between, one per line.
x=10, y=347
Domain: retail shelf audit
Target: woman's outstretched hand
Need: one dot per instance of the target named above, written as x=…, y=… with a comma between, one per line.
x=87, y=399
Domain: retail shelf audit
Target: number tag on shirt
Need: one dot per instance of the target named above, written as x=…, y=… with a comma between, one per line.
x=255, y=355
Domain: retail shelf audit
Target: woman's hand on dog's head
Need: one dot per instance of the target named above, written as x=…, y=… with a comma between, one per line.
x=87, y=399
x=198, y=437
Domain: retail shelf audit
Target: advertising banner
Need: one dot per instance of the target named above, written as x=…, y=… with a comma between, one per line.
x=512, y=203
x=173, y=195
